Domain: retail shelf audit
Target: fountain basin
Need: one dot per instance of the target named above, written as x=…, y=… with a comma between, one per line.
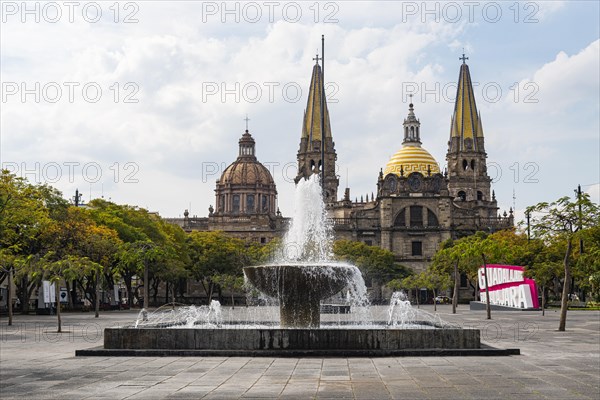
x=282, y=340
x=300, y=288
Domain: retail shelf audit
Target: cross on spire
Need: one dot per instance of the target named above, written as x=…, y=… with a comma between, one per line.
x=246, y=119
x=463, y=58
x=317, y=58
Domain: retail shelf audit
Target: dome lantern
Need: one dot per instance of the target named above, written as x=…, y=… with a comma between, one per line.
x=412, y=157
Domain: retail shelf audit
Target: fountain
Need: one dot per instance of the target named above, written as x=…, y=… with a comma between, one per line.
x=302, y=274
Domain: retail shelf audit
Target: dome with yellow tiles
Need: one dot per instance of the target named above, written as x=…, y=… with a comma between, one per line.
x=412, y=159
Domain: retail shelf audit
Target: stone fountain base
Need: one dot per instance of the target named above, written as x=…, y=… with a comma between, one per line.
x=299, y=288
x=277, y=342
x=290, y=339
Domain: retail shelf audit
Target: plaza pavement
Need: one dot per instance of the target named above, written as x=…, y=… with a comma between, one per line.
x=37, y=363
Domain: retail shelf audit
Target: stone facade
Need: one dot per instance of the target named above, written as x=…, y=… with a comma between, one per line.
x=416, y=206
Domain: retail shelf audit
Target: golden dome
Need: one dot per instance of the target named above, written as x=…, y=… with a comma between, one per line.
x=412, y=159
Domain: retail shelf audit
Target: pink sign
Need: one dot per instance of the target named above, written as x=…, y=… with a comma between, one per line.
x=508, y=287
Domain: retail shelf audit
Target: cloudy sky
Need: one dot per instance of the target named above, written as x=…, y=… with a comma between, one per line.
x=143, y=102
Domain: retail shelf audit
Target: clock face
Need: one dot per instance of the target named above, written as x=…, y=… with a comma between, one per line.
x=414, y=182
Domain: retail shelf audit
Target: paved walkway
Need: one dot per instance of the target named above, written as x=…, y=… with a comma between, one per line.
x=36, y=363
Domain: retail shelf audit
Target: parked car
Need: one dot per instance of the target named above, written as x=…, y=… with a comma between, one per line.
x=442, y=300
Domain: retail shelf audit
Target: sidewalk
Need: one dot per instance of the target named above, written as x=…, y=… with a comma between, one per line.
x=37, y=363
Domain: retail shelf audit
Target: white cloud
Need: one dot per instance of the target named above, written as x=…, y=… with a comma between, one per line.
x=175, y=135
x=594, y=192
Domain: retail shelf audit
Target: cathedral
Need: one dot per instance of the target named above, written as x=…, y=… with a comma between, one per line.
x=416, y=206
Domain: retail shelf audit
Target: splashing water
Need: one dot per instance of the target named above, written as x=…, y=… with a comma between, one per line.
x=185, y=317
x=400, y=311
x=401, y=314
x=310, y=234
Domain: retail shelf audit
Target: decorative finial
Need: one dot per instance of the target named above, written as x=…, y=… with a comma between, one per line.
x=317, y=58
x=246, y=119
x=463, y=58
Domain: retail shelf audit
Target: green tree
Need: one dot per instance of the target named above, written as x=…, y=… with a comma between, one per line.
x=563, y=219
x=413, y=282
x=213, y=254
x=587, y=264
x=435, y=281
x=26, y=211
x=232, y=283
x=68, y=268
x=446, y=261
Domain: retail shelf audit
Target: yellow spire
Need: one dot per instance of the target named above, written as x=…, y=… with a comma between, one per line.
x=466, y=123
x=311, y=128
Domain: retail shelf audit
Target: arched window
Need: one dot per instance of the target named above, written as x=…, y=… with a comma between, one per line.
x=416, y=216
x=465, y=164
x=479, y=195
x=235, y=203
x=401, y=218
x=473, y=165
x=250, y=203
x=462, y=195
x=265, y=203
x=432, y=219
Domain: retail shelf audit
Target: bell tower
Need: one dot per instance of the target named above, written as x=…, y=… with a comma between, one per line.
x=310, y=152
x=467, y=170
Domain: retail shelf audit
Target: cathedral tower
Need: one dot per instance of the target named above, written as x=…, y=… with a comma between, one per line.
x=466, y=157
x=309, y=153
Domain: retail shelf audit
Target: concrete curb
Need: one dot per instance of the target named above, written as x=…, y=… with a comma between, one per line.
x=481, y=352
